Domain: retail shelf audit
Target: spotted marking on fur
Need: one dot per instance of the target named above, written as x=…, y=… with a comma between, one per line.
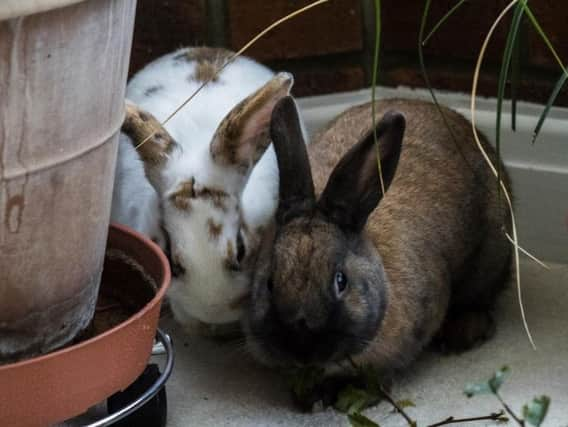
x=207, y=62
x=203, y=54
x=230, y=260
x=228, y=137
x=188, y=190
x=216, y=196
x=205, y=71
x=144, y=116
x=181, y=198
x=138, y=125
x=153, y=89
x=215, y=229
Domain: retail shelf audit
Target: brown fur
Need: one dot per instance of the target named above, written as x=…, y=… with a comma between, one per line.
x=215, y=229
x=230, y=260
x=187, y=191
x=205, y=71
x=181, y=199
x=433, y=251
x=207, y=62
x=216, y=196
x=228, y=146
x=430, y=204
x=138, y=125
x=200, y=54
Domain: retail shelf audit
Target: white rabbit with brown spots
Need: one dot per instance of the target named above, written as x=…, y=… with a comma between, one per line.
x=348, y=272
x=212, y=180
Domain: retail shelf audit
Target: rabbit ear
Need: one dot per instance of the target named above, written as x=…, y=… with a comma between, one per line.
x=296, y=185
x=243, y=135
x=155, y=152
x=353, y=189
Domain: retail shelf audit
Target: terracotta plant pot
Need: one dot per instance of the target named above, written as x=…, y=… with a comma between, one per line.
x=65, y=383
x=63, y=69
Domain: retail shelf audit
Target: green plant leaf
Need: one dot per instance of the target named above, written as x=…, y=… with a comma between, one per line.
x=474, y=389
x=302, y=381
x=542, y=34
x=561, y=81
x=442, y=20
x=498, y=378
x=535, y=412
x=515, y=79
x=371, y=377
x=352, y=400
x=426, y=78
x=559, y=84
x=360, y=420
x=406, y=404
x=503, y=73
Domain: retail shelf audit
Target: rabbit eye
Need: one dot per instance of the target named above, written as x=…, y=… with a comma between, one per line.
x=241, y=250
x=340, y=282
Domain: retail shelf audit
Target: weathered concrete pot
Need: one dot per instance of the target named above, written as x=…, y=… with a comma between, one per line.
x=62, y=80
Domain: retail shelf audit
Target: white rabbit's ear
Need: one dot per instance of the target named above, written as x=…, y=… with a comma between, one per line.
x=244, y=134
x=155, y=152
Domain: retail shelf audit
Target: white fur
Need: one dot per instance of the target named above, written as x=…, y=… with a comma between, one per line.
x=208, y=288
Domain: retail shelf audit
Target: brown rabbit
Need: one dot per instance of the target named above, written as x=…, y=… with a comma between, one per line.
x=339, y=276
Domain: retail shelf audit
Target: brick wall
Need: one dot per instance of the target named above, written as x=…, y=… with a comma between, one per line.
x=329, y=49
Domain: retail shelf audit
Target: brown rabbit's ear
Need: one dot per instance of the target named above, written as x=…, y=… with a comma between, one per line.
x=155, y=152
x=353, y=189
x=243, y=135
x=296, y=192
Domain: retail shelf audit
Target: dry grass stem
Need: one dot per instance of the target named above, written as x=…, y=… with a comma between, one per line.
x=492, y=167
x=235, y=56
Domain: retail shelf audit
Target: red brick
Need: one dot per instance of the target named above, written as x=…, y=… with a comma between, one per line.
x=163, y=26
x=330, y=28
x=552, y=16
x=461, y=36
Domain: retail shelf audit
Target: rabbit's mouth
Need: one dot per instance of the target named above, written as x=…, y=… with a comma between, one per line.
x=277, y=344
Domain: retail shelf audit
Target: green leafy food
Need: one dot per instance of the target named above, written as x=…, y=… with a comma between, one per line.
x=371, y=377
x=303, y=381
x=360, y=420
x=474, y=389
x=535, y=412
x=352, y=400
x=498, y=378
x=491, y=386
x=406, y=404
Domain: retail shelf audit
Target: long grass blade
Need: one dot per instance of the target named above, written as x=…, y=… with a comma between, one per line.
x=546, y=40
x=426, y=78
x=494, y=170
x=559, y=85
x=374, y=86
x=235, y=56
x=441, y=21
x=515, y=77
x=503, y=73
